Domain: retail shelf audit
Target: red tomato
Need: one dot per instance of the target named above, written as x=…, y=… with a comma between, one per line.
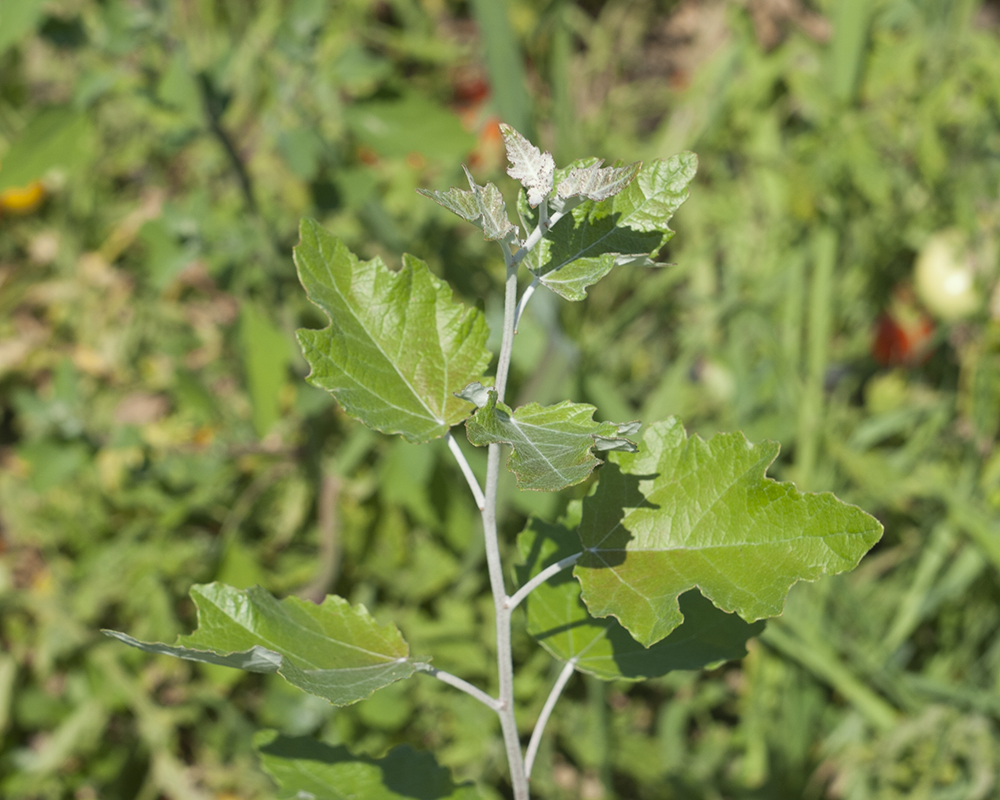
x=902, y=344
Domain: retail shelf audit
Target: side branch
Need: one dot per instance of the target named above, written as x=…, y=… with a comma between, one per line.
x=540, y=578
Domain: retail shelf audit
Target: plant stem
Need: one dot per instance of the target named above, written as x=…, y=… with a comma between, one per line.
x=501, y=602
x=543, y=718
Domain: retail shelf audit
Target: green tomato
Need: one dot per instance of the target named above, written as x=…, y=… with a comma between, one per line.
x=944, y=277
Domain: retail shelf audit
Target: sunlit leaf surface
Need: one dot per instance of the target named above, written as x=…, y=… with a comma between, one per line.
x=684, y=513
x=334, y=650
x=397, y=347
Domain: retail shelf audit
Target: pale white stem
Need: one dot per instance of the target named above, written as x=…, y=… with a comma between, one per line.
x=458, y=683
x=540, y=578
x=536, y=236
x=505, y=658
x=543, y=718
x=524, y=302
x=470, y=476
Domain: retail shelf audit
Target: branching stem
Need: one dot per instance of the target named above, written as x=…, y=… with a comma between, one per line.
x=502, y=602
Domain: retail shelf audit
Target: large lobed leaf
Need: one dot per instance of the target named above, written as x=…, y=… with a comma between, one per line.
x=397, y=347
x=551, y=445
x=334, y=650
x=305, y=768
x=684, y=513
x=628, y=227
x=559, y=620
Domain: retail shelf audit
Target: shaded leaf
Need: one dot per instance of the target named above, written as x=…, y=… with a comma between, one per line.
x=334, y=650
x=559, y=620
x=551, y=445
x=629, y=228
x=482, y=205
x=397, y=347
x=534, y=169
x=305, y=768
x=684, y=513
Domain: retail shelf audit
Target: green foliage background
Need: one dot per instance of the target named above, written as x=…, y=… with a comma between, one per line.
x=156, y=430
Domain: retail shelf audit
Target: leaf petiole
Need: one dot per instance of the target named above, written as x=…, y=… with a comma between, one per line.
x=458, y=683
x=540, y=578
x=543, y=718
x=470, y=476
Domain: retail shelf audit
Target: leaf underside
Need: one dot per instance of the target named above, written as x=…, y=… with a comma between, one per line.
x=551, y=445
x=334, y=650
x=627, y=228
x=559, y=620
x=684, y=513
x=306, y=768
x=397, y=347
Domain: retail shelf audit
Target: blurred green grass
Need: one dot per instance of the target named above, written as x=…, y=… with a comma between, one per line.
x=155, y=430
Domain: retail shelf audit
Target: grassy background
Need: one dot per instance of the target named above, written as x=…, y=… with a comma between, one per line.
x=155, y=430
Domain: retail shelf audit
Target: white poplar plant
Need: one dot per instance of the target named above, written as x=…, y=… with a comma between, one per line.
x=679, y=549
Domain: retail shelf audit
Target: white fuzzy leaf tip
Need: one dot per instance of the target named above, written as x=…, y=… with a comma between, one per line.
x=528, y=164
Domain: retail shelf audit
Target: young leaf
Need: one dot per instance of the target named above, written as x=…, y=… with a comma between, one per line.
x=333, y=650
x=595, y=183
x=558, y=619
x=551, y=445
x=397, y=347
x=529, y=165
x=685, y=513
x=306, y=768
x=628, y=228
x=481, y=205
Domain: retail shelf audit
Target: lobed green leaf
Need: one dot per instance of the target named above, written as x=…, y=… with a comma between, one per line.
x=559, y=620
x=334, y=650
x=305, y=768
x=397, y=347
x=684, y=513
x=628, y=228
x=551, y=445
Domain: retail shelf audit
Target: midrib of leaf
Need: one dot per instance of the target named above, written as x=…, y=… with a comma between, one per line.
x=277, y=648
x=378, y=345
